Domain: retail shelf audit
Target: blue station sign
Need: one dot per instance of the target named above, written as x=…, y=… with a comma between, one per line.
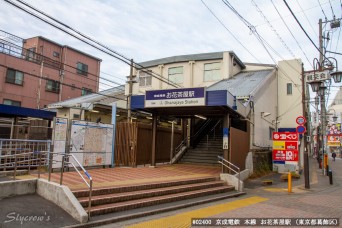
x=181, y=97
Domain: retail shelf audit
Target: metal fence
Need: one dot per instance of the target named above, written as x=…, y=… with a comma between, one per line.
x=23, y=153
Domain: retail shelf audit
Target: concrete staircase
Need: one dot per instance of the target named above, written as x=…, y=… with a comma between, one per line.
x=206, y=151
x=125, y=198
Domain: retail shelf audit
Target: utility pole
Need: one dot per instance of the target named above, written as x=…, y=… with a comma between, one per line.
x=320, y=30
x=130, y=90
x=306, y=155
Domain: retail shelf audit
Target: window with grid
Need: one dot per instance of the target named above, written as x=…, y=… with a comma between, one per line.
x=176, y=75
x=145, y=79
x=212, y=71
x=12, y=102
x=85, y=91
x=52, y=86
x=289, y=88
x=14, y=77
x=82, y=68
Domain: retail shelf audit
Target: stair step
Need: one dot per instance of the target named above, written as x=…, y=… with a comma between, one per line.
x=115, y=217
x=128, y=205
x=120, y=197
x=199, y=162
x=131, y=188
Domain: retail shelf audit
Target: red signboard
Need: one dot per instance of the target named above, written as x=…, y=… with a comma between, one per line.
x=285, y=155
x=285, y=136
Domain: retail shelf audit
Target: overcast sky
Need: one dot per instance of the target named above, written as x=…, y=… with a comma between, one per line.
x=151, y=29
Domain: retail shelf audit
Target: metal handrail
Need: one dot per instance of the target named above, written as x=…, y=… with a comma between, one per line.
x=222, y=161
x=89, y=185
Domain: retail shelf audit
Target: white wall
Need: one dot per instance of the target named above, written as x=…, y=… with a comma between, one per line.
x=191, y=77
x=265, y=100
x=290, y=106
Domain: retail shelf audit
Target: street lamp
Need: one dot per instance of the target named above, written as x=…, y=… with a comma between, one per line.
x=319, y=87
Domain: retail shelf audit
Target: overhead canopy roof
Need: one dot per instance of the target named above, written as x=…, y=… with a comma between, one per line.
x=106, y=97
x=14, y=111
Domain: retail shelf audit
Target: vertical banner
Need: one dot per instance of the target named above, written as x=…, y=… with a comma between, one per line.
x=225, y=138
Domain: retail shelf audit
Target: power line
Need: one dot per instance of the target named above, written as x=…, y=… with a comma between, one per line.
x=259, y=38
x=45, y=57
x=232, y=34
x=303, y=28
x=332, y=11
x=307, y=18
x=273, y=29
x=108, y=51
x=291, y=34
x=322, y=10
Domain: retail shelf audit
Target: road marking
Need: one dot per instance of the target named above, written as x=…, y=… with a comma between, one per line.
x=184, y=219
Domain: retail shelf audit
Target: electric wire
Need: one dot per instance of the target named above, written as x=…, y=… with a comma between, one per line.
x=322, y=10
x=292, y=34
x=289, y=8
x=307, y=17
x=332, y=11
x=98, y=43
x=273, y=29
x=232, y=34
x=19, y=53
x=153, y=74
x=259, y=38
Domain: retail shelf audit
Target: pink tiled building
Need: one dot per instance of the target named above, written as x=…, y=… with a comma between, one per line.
x=40, y=71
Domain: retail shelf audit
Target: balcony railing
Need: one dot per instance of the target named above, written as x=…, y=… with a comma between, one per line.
x=17, y=51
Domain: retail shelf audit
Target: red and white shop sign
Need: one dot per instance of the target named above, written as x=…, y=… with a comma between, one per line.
x=285, y=155
x=285, y=136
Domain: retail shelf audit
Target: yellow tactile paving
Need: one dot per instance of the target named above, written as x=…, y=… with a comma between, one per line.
x=184, y=219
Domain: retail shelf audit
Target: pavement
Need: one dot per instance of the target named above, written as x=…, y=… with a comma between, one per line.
x=321, y=201
x=273, y=203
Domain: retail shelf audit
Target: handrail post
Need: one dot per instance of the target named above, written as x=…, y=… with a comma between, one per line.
x=39, y=163
x=90, y=193
x=50, y=164
x=29, y=169
x=62, y=170
x=15, y=167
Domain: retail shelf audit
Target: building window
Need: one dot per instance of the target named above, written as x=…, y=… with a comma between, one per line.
x=85, y=91
x=176, y=75
x=82, y=69
x=212, y=72
x=55, y=54
x=14, y=77
x=145, y=79
x=12, y=102
x=289, y=88
x=52, y=86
